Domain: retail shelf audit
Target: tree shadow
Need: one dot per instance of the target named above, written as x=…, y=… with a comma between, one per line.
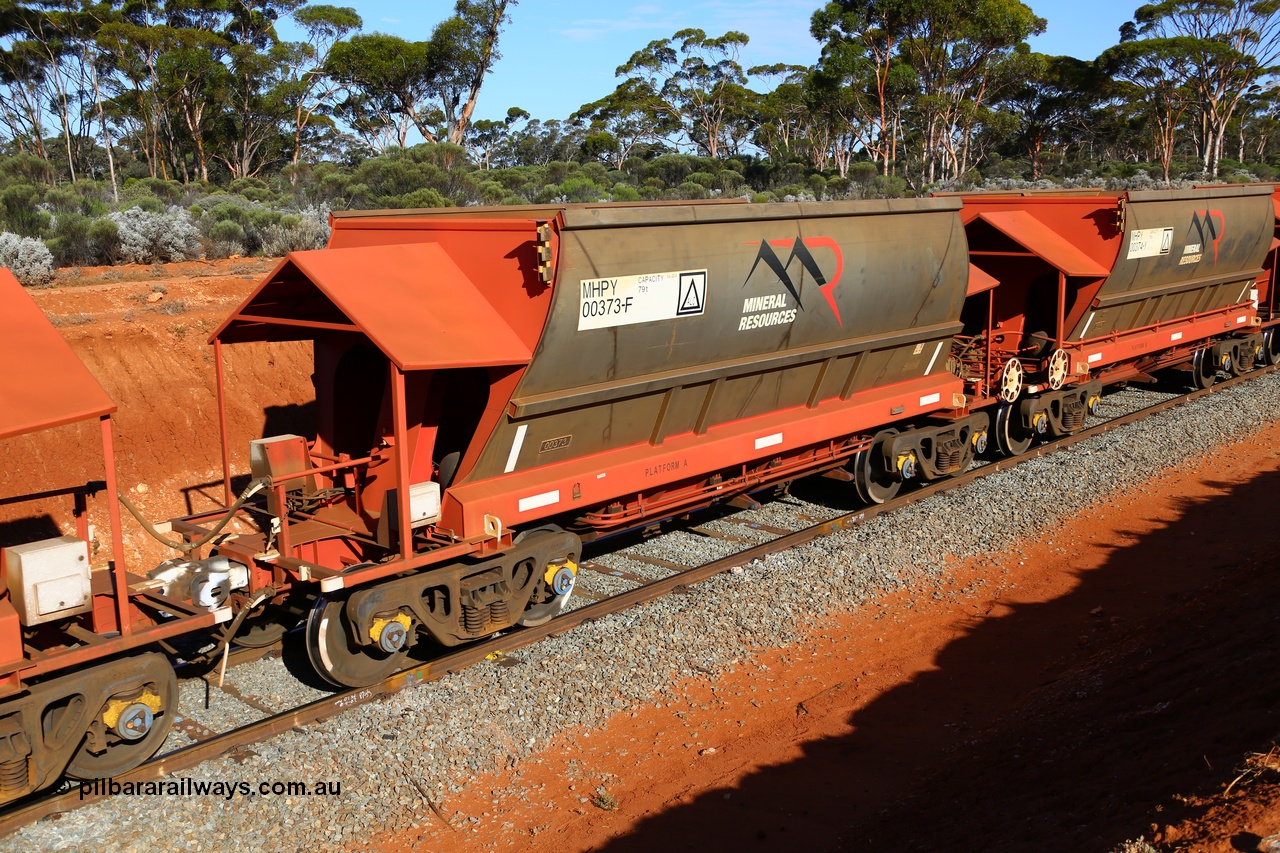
x=1049, y=725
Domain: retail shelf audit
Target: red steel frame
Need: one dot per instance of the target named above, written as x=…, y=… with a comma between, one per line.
x=118, y=598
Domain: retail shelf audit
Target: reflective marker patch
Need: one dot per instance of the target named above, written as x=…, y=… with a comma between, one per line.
x=936, y=350
x=1095, y=358
x=930, y=399
x=768, y=441
x=1176, y=336
x=1087, y=324
x=536, y=501
x=516, y=444
x=1242, y=319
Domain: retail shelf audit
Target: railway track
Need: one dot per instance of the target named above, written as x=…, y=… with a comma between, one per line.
x=652, y=577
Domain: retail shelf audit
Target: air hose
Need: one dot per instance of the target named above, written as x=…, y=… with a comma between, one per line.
x=262, y=595
x=252, y=489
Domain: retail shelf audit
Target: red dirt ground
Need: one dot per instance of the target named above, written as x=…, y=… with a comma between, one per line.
x=1085, y=695
x=1108, y=682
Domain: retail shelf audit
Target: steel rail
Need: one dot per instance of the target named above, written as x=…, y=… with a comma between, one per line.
x=50, y=803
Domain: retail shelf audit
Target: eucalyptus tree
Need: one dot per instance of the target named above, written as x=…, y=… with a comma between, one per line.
x=962, y=51
x=631, y=115
x=694, y=81
x=486, y=135
x=387, y=77
x=305, y=86
x=861, y=72
x=957, y=55
x=23, y=84
x=1155, y=74
x=466, y=47
x=1051, y=105
x=1227, y=47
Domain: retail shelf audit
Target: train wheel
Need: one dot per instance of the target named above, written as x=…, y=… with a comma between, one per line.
x=1204, y=372
x=131, y=726
x=335, y=654
x=1271, y=346
x=872, y=479
x=554, y=588
x=1011, y=437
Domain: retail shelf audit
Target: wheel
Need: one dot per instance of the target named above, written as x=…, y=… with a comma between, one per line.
x=132, y=725
x=1203, y=370
x=549, y=597
x=335, y=655
x=1058, y=364
x=874, y=482
x=263, y=629
x=1271, y=346
x=1231, y=363
x=1011, y=437
x=1011, y=380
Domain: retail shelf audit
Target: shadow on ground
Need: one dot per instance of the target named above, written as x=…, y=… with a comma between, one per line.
x=1071, y=724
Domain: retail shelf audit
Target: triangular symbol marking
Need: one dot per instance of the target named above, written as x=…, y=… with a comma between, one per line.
x=691, y=302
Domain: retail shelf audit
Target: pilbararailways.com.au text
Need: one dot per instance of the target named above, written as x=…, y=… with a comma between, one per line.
x=188, y=787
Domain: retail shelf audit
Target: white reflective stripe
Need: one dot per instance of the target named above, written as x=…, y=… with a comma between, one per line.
x=1242, y=319
x=930, y=399
x=768, y=440
x=222, y=614
x=536, y=501
x=1096, y=357
x=1087, y=324
x=936, y=350
x=1176, y=336
x=516, y=444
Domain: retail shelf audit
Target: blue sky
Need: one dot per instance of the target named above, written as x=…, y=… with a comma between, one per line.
x=560, y=54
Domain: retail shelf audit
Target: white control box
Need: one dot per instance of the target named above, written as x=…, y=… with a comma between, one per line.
x=49, y=579
x=424, y=503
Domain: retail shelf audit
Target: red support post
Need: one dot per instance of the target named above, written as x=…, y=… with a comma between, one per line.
x=118, y=575
x=398, y=418
x=222, y=423
x=1062, y=309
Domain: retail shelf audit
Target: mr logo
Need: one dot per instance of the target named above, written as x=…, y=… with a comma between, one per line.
x=691, y=295
x=801, y=251
x=1209, y=230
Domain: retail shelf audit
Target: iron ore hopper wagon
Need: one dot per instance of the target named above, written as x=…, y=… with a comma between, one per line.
x=495, y=387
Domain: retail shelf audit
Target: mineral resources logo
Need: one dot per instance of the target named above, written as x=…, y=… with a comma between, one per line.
x=800, y=249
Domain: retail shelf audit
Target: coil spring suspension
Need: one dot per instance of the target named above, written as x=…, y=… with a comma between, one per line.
x=13, y=776
x=948, y=455
x=499, y=614
x=473, y=618
x=1245, y=361
x=1073, y=417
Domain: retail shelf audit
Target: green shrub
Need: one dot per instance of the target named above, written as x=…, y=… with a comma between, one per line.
x=422, y=198
x=20, y=213
x=691, y=190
